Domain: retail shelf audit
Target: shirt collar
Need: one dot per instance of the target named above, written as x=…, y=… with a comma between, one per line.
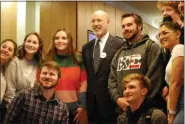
x=38, y=94
x=103, y=39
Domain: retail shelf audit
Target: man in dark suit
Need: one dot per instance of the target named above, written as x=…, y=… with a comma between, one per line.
x=97, y=56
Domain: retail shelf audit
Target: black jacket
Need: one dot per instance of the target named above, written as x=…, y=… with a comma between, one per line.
x=97, y=83
x=146, y=114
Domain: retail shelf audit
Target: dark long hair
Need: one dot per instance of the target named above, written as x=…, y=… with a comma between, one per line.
x=175, y=27
x=38, y=55
x=70, y=50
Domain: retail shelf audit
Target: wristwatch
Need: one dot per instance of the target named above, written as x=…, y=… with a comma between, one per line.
x=171, y=112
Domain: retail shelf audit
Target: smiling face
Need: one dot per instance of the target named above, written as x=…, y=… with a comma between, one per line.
x=100, y=21
x=48, y=77
x=31, y=45
x=7, y=51
x=133, y=92
x=169, y=11
x=181, y=7
x=168, y=37
x=61, y=42
x=130, y=29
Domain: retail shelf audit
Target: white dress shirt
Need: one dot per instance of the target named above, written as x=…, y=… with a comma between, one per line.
x=102, y=42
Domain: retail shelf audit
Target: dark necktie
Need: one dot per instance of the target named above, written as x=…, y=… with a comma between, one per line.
x=96, y=55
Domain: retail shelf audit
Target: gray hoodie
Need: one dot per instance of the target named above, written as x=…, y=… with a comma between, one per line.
x=144, y=57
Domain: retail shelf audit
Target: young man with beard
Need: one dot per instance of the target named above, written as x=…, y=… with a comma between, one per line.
x=139, y=54
x=97, y=56
x=39, y=105
x=140, y=110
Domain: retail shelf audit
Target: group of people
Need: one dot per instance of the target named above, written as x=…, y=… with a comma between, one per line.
x=111, y=81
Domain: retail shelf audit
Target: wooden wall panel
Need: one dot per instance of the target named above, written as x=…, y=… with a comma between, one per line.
x=9, y=22
x=45, y=23
x=57, y=15
x=119, y=13
x=98, y=6
x=71, y=20
x=111, y=11
x=84, y=22
x=58, y=10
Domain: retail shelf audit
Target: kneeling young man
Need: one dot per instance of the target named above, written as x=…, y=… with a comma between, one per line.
x=39, y=105
x=141, y=109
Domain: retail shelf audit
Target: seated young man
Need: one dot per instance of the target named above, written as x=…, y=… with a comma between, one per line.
x=140, y=110
x=39, y=105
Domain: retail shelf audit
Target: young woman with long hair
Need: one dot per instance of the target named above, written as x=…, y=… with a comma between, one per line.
x=72, y=85
x=21, y=72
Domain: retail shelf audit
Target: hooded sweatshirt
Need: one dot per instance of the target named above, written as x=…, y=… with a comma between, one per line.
x=143, y=57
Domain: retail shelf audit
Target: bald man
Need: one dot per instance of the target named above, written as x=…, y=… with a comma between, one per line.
x=97, y=56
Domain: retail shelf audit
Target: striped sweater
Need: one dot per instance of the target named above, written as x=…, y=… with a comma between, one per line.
x=73, y=79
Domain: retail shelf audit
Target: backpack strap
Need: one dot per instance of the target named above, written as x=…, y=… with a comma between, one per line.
x=148, y=46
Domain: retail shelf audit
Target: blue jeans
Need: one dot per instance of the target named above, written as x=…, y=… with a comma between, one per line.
x=179, y=118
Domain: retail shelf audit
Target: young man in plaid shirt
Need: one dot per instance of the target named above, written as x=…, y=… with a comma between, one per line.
x=39, y=105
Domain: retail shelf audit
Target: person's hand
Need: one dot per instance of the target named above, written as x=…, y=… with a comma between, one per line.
x=79, y=113
x=171, y=118
x=123, y=104
x=165, y=92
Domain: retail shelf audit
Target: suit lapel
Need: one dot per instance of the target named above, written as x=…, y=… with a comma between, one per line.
x=106, y=50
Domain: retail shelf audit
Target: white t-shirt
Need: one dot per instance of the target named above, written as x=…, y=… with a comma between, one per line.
x=177, y=51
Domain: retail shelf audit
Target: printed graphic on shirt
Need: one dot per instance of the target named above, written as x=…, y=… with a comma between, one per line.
x=129, y=62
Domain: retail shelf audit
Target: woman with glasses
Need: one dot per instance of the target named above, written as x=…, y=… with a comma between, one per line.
x=169, y=36
x=170, y=12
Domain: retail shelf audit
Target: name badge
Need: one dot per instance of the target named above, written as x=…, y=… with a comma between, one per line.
x=103, y=55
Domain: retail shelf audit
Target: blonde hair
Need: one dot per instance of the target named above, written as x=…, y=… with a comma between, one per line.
x=173, y=4
x=144, y=81
x=53, y=65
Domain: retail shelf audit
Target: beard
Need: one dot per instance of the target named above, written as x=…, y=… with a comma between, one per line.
x=52, y=85
x=133, y=35
x=48, y=87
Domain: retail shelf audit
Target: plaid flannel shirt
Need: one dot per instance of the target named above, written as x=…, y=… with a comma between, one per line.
x=30, y=107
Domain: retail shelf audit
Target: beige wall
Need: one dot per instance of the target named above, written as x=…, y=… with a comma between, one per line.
x=9, y=22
